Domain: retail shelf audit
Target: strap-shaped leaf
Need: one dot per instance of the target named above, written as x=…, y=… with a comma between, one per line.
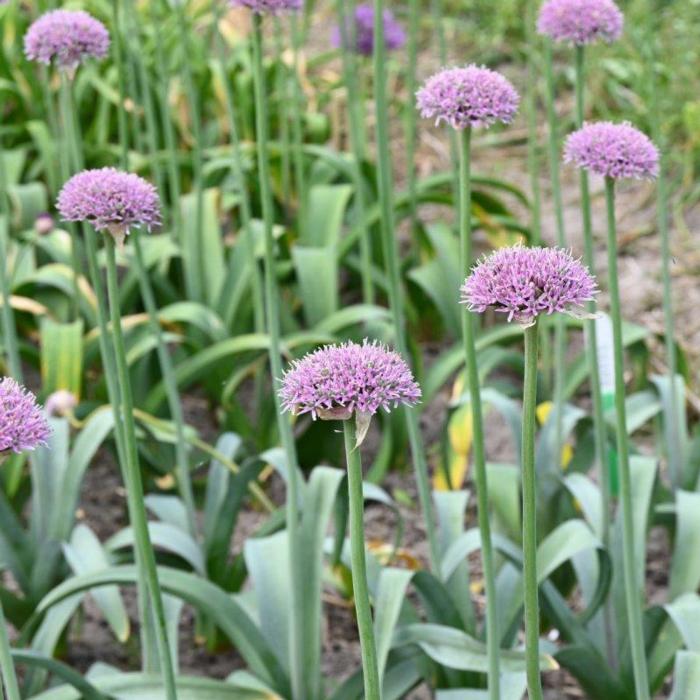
x=454, y=648
x=203, y=595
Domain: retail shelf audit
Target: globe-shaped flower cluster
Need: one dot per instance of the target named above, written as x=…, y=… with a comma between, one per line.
x=360, y=33
x=580, y=22
x=528, y=282
x=23, y=425
x=66, y=38
x=472, y=96
x=613, y=150
x=110, y=199
x=336, y=381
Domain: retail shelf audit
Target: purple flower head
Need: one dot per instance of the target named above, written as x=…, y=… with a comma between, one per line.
x=612, y=150
x=60, y=403
x=362, y=31
x=527, y=282
x=336, y=381
x=470, y=96
x=580, y=21
x=67, y=38
x=23, y=425
x=268, y=7
x=110, y=200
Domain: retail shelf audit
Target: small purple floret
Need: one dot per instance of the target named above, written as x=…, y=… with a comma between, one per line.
x=23, y=425
x=67, y=38
x=580, y=21
x=363, y=31
x=613, y=150
x=110, y=199
x=337, y=380
x=472, y=96
x=528, y=282
x=271, y=7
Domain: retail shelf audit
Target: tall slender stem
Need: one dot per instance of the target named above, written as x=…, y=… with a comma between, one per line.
x=246, y=209
x=533, y=154
x=358, y=564
x=182, y=471
x=135, y=502
x=357, y=138
x=436, y=9
x=411, y=112
x=9, y=329
x=297, y=126
x=632, y=592
x=675, y=458
x=75, y=161
x=385, y=187
x=529, y=476
x=468, y=338
x=298, y=648
x=560, y=327
x=599, y=429
x=197, y=146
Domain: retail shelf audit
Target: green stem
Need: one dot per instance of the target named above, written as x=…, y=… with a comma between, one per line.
x=299, y=650
x=358, y=564
x=9, y=329
x=675, y=458
x=385, y=187
x=246, y=215
x=600, y=435
x=173, y=170
x=134, y=491
x=7, y=667
x=632, y=592
x=436, y=8
x=181, y=452
x=197, y=146
x=414, y=13
x=182, y=468
x=529, y=476
x=468, y=338
x=599, y=429
x=282, y=93
x=533, y=156
x=74, y=163
x=297, y=127
x=560, y=327
x=357, y=139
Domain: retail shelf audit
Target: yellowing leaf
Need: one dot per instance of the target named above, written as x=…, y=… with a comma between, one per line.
x=567, y=451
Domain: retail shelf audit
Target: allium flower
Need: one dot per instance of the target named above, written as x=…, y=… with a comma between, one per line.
x=469, y=96
x=66, y=37
x=612, y=150
x=60, y=403
x=23, y=425
x=110, y=200
x=362, y=31
x=527, y=282
x=264, y=7
x=580, y=21
x=336, y=381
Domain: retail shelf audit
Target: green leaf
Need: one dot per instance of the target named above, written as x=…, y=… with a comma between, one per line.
x=205, y=596
x=453, y=648
x=85, y=555
x=139, y=686
x=391, y=595
x=686, y=676
x=165, y=536
x=61, y=356
x=203, y=253
x=34, y=659
x=318, y=281
x=512, y=688
x=327, y=205
x=685, y=565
